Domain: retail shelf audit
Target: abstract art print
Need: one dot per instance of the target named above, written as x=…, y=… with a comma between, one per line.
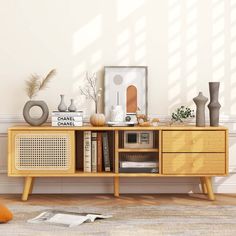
x=126, y=86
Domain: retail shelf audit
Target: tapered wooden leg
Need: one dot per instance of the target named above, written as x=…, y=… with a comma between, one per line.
x=116, y=187
x=210, y=192
x=27, y=186
x=31, y=186
x=203, y=184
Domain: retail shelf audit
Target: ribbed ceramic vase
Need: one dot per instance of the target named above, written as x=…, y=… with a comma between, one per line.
x=200, y=102
x=214, y=105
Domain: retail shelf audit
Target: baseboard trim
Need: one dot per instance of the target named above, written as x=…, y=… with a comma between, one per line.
x=107, y=188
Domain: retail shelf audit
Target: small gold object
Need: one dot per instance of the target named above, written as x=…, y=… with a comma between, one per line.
x=144, y=121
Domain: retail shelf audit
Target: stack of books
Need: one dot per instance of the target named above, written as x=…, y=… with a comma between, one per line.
x=138, y=163
x=138, y=167
x=67, y=119
x=96, y=152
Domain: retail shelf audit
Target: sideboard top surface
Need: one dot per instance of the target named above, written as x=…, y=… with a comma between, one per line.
x=88, y=127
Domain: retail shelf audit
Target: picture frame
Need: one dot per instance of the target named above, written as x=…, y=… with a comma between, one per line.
x=126, y=86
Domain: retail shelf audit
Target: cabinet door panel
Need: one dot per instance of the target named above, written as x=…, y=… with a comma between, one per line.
x=41, y=152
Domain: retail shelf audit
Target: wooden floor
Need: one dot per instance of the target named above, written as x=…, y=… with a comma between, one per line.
x=123, y=200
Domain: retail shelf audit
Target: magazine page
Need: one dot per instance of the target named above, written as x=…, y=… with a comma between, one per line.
x=70, y=220
x=64, y=218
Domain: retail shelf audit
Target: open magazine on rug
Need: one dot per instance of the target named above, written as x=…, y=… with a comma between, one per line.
x=68, y=219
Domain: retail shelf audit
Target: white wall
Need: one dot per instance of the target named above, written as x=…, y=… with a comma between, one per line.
x=185, y=44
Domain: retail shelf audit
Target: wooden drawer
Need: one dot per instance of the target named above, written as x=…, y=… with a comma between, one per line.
x=193, y=141
x=194, y=163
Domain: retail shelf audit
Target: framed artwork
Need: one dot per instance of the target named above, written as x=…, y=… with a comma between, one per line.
x=126, y=86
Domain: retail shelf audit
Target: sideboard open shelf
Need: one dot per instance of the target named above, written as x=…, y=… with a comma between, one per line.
x=180, y=151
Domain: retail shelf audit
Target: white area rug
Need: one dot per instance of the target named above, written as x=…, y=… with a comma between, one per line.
x=138, y=220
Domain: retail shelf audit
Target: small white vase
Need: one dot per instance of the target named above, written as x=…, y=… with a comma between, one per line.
x=117, y=114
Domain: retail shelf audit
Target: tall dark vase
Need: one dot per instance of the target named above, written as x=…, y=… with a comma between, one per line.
x=214, y=105
x=200, y=102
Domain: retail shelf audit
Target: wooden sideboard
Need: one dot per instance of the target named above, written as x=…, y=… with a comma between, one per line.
x=181, y=151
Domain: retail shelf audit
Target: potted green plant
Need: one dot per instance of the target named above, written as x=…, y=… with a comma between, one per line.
x=181, y=114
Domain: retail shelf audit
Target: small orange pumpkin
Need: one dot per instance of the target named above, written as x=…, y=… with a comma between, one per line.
x=5, y=214
x=97, y=119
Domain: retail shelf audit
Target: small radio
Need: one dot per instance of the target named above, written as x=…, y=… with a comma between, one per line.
x=138, y=139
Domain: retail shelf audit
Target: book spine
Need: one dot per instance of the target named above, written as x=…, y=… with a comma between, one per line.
x=99, y=151
x=67, y=118
x=74, y=114
x=79, y=151
x=87, y=151
x=111, y=145
x=138, y=165
x=106, y=152
x=67, y=123
x=139, y=170
x=94, y=152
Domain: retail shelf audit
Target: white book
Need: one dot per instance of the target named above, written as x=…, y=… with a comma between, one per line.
x=87, y=151
x=67, y=118
x=67, y=124
x=74, y=114
x=135, y=164
x=94, y=151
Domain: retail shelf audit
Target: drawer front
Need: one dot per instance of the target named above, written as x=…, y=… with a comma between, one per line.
x=194, y=163
x=193, y=141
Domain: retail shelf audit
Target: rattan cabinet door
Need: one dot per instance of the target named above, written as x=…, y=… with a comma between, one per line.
x=41, y=152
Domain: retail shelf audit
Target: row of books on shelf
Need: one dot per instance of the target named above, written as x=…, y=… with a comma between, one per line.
x=97, y=156
x=67, y=119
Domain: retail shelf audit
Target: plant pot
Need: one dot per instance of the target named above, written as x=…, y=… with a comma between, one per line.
x=97, y=119
x=184, y=122
x=32, y=120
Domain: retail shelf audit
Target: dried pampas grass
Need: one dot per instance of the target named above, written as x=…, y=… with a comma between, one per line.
x=35, y=83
